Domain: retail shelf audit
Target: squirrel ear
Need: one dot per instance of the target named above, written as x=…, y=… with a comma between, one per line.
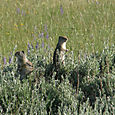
x=23, y=52
x=60, y=37
x=16, y=53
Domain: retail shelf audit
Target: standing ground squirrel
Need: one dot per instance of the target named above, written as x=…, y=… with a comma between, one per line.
x=59, y=51
x=25, y=67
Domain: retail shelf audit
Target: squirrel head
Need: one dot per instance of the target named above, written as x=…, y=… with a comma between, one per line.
x=62, y=39
x=62, y=42
x=20, y=55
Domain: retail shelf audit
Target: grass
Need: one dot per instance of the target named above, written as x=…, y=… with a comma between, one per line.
x=87, y=85
x=88, y=76
x=85, y=24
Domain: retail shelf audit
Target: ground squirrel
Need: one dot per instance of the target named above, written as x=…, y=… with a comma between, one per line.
x=59, y=51
x=25, y=67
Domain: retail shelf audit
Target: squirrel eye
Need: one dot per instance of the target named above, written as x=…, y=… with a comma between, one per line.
x=23, y=52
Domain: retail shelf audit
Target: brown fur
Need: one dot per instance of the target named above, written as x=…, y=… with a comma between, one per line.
x=25, y=67
x=59, y=56
x=60, y=50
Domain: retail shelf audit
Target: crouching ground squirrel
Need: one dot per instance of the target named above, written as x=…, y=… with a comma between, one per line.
x=59, y=55
x=25, y=67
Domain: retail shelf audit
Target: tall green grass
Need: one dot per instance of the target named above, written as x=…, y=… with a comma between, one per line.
x=86, y=87
x=85, y=23
x=87, y=79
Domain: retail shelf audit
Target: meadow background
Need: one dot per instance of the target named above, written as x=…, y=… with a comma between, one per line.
x=84, y=22
x=34, y=26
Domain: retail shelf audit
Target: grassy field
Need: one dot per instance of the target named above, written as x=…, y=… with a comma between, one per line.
x=87, y=85
x=87, y=24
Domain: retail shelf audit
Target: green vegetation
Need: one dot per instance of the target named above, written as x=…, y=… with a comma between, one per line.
x=87, y=79
x=84, y=23
x=87, y=85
